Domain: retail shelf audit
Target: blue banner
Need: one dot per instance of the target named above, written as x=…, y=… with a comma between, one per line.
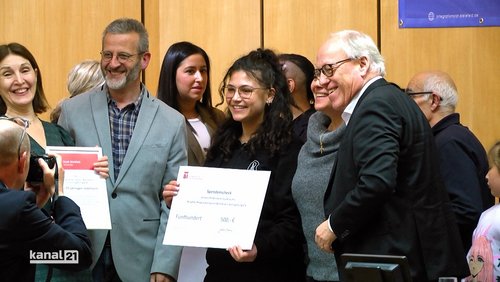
x=448, y=13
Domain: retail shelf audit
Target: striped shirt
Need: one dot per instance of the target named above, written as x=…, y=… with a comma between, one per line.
x=122, y=124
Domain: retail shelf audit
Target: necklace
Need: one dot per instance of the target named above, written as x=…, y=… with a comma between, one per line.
x=30, y=120
x=321, y=148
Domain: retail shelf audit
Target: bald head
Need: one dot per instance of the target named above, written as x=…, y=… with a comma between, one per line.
x=441, y=84
x=10, y=136
x=422, y=78
x=416, y=83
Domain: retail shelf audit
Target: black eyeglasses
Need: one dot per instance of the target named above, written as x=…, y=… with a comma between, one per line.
x=244, y=91
x=411, y=93
x=22, y=122
x=121, y=57
x=329, y=69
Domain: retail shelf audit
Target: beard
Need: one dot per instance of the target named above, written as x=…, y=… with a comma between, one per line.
x=120, y=83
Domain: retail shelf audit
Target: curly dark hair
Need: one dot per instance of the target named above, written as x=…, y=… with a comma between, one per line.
x=275, y=132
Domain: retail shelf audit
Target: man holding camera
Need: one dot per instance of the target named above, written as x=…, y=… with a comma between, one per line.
x=27, y=233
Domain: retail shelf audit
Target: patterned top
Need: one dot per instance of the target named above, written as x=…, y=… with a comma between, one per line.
x=122, y=124
x=484, y=255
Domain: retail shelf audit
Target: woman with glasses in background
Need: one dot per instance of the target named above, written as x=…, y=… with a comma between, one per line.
x=316, y=158
x=22, y=95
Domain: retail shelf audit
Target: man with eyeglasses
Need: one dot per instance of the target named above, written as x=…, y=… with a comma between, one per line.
x=463, y=160
x=147, y=142
x=25, y=228
x=385, y=194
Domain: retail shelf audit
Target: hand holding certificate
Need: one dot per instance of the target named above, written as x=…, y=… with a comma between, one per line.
x=82, y=185
x=216, y=207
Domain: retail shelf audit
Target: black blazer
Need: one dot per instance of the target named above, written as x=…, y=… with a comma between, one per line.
x=385, y=194
x=24, y=228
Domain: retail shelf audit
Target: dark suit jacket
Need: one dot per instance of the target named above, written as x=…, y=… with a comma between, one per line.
x=463, y=165
x=24, y=228
x=385, y=194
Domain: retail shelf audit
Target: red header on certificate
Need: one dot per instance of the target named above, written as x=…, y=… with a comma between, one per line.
x=77, y=158
x=78, y=161
x=83, y=185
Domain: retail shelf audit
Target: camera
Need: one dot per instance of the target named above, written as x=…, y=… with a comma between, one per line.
x=35, y=172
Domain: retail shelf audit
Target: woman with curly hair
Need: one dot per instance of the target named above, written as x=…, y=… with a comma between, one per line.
x=257, y=135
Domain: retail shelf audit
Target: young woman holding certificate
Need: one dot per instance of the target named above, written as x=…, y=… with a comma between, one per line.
x=258, y=136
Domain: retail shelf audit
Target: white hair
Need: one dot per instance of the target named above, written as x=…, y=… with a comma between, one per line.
x=444, y=87
x=356, y=45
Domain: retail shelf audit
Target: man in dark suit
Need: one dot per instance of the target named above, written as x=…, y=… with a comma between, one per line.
x=385, y=194
x=25, y=229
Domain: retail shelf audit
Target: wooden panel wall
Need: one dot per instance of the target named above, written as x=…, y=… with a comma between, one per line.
x=301, y=26
x=225, y=29
x=470, y=55
x=61, y=33
x=220, y=28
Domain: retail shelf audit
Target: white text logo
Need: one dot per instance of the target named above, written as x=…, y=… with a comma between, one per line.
x=59, y=257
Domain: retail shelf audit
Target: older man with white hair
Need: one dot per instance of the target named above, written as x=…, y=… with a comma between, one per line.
x=463, y=160
x=385, y=194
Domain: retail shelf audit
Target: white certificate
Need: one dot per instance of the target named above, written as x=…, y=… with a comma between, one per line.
x=82, y=185
x=216, y=207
